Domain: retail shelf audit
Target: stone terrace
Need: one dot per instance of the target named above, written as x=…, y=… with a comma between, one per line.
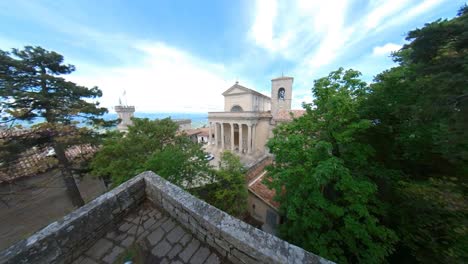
x=157, y=237
x=152, y=221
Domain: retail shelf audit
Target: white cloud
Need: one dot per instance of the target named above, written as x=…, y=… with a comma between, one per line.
x=262, y=29
x=167, y=80
x=385, y=49
x=315, y=34
x=293, y=28
x=156, y=76
x=382, y=11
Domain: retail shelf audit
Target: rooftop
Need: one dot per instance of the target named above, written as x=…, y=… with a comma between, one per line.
x=259, y=189
x=247, y=90
x=288, y=115
x=152, y=236
x=282, y=78
x=152, y=220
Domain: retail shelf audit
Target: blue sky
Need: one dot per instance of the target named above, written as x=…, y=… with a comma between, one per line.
x=179, y=56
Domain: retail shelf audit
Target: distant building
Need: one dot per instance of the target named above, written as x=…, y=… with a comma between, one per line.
x=249, y=118
x=198, y=135
x=184, y=124
x=125, y=114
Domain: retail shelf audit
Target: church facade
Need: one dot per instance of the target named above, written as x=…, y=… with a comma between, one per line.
x=249, y=118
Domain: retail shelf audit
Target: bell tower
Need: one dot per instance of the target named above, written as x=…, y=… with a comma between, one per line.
x=281, y=95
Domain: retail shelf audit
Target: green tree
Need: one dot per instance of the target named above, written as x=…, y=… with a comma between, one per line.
x=230, y=192
x=151, y=145
x=31, y=90
x=322, y=176
x=420, y=110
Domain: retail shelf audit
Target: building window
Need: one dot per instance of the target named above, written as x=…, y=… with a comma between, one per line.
x=236, y=108
x=281, y=93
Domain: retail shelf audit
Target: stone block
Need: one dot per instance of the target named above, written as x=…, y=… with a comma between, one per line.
x=245, y=258
x=143, y=235
x=175, y=235
x=85, y=260
x=113, y=255
x=111, y=235
x=185, y=239
x=168, y=225
x=221, y=251
x=200, y=256
x=223, y=244
x=149, y=223
x=189, y=250
x=213, y=259
x=174, y=251
x=155, y=236
x=125, y=200
x=125, y=226
x=99, y=249
x=36, y=249
x=161, y=249
x=133, y=230
x=128, y=241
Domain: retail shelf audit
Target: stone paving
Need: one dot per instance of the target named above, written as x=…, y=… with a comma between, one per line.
x=155, y=236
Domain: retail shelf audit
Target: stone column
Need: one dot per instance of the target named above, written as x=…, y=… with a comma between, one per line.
x=216, y=134
x=254, y=136
x=222, y=136
x=232, y=137
x=249, y=138
x=209, y=133
x=240, y=139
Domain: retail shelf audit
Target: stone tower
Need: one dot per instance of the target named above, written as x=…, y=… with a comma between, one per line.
x=281, y=95
x=125, y=114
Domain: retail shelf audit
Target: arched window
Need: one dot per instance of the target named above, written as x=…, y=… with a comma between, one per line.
x=281, y=93
x=236, y=108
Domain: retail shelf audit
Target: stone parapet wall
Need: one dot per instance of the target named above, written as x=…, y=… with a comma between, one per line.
x=66, y=239
x=232, y=238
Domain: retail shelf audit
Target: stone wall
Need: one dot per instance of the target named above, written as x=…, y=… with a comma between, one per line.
x=64, y=240
x=234, y=239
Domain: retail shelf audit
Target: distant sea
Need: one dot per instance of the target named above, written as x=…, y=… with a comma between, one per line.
x=198, y=119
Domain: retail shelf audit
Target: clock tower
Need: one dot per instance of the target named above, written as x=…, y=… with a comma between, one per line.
x=281, y=95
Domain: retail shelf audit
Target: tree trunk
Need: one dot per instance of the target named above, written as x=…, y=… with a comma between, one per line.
x=72, y=190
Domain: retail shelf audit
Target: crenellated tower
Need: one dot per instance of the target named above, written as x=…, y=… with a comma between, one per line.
x=125, y=114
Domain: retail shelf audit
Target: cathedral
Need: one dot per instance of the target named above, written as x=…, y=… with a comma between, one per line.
x=249, y=118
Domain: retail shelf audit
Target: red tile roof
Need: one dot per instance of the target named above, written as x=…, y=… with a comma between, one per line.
x=262, y=191
x=285, y=115
x=35, y=161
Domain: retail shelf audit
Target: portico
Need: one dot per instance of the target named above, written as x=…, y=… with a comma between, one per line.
x=236, y=135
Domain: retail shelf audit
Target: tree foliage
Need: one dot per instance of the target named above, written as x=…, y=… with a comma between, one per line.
x=151, y=145
x=421, y=114
x=322, y=175
x=31, y=90
x=230, y=193
x=228, y=189
x=367, y=164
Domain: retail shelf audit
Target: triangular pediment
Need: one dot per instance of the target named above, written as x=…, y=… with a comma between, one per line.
x=237, y=89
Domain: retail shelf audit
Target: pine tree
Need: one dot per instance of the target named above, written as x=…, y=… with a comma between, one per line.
x=31, y=89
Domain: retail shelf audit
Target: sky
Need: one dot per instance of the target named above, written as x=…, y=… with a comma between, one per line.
x=179, y=56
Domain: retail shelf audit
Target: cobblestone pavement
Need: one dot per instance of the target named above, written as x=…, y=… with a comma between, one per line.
x=152, y=235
